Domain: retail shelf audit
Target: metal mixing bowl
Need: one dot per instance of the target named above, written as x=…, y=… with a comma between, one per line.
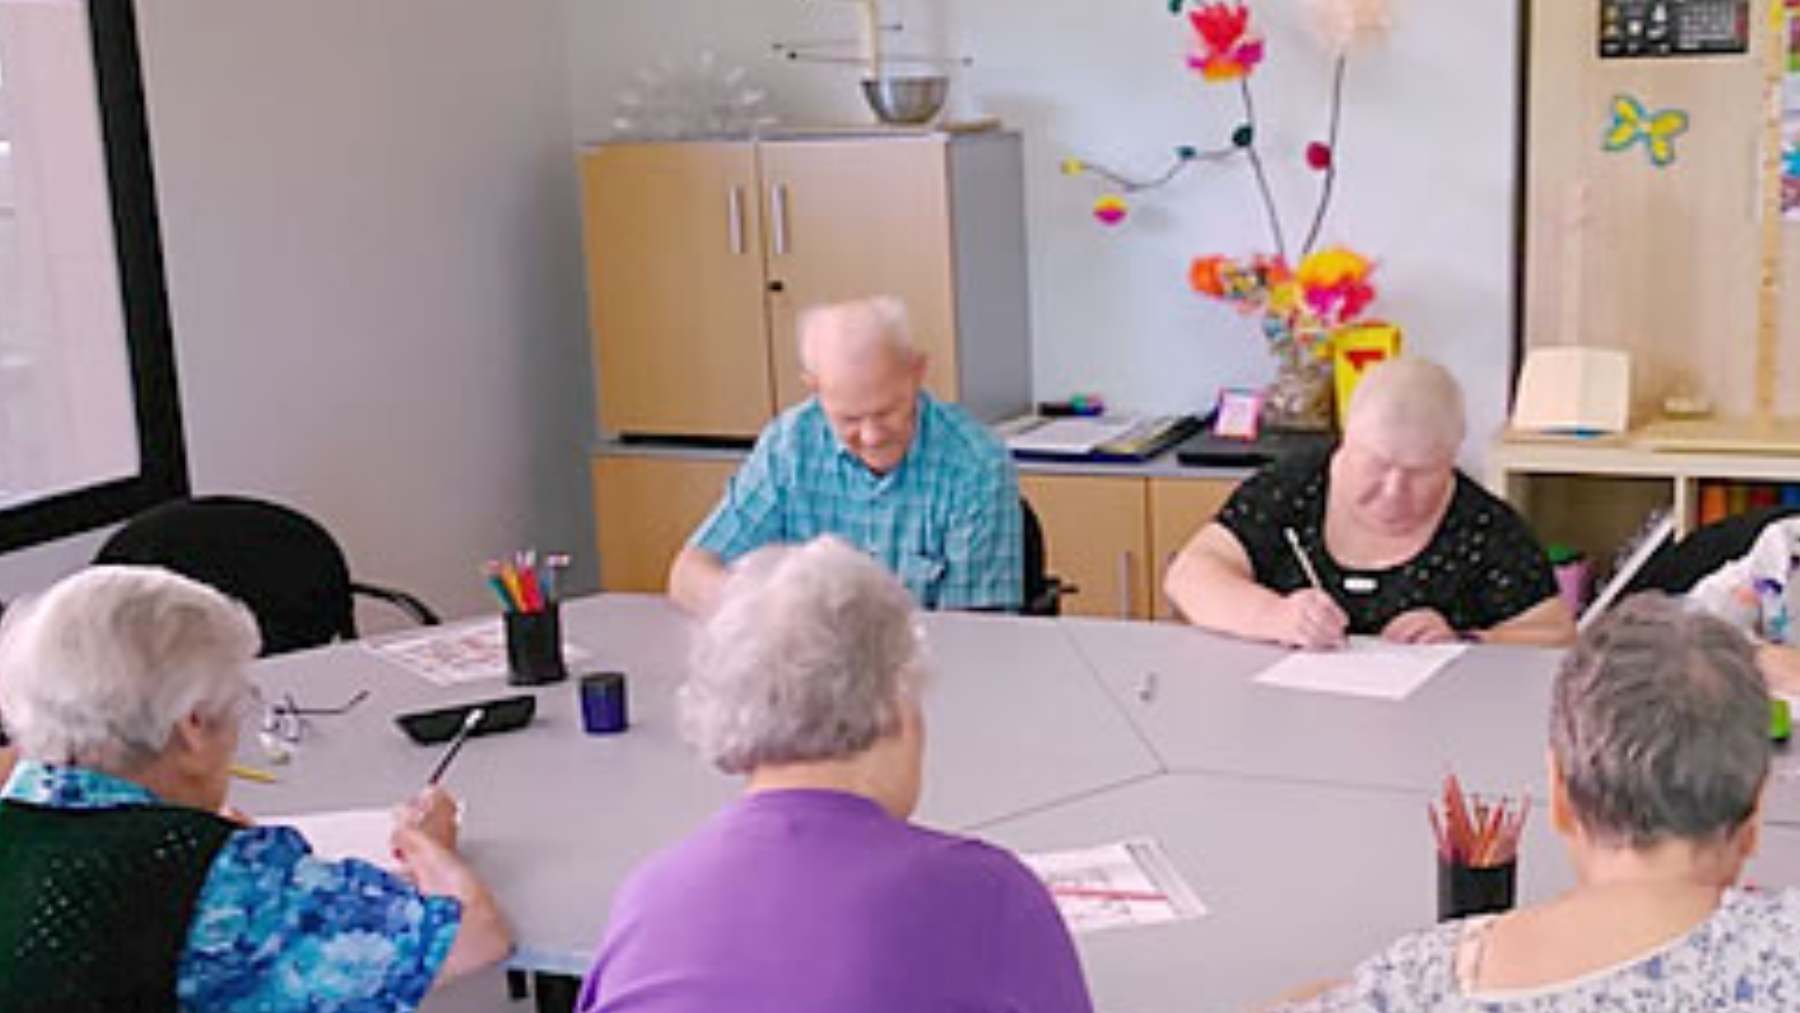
x=907, y=99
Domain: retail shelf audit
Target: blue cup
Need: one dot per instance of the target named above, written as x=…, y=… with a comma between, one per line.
x=603, y=710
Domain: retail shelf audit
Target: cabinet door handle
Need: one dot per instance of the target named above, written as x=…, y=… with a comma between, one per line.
x=1126, y=598
x=735, y=220
x=778, y=211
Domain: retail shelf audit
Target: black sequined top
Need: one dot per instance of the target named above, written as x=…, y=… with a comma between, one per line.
x=1481, y=568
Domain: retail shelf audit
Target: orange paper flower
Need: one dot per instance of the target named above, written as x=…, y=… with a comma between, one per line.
x=1205, y=275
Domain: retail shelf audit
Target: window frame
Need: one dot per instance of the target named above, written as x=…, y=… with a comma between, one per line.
x=137, y=240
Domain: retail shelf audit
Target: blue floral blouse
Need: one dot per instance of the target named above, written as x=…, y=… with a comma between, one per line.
x=274, y=928
x=1746, y=956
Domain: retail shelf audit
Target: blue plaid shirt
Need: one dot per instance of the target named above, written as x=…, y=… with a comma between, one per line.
x=946, y=521
x=275, y=928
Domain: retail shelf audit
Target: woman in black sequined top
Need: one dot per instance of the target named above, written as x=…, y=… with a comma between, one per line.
x=1397, y=541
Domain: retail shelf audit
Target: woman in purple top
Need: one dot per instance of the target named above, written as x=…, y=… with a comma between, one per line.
x=813, y=894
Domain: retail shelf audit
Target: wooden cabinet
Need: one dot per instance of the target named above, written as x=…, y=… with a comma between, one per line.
x=646, y=507
x=1178, y=508
x=702, y=255
x=1096, y=536
x=1114, y=537
x=675, y=275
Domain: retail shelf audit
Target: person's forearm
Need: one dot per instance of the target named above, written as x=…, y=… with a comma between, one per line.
x=1780, y=665
x=1213, y=597
x=1545, y=625
x=696, y=579
x=482, y=937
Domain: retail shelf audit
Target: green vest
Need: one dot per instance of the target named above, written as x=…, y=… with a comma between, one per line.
x=95, y=904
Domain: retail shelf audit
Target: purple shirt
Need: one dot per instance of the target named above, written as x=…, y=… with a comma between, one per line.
x=821, y=902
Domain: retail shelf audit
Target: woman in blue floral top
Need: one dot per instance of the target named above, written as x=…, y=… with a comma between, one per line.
x=123, y=888
x=1659, y=750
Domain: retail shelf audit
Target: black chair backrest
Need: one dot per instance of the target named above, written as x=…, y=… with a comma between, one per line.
x=280, y=563
x=1040, y=596
x=1676, y=568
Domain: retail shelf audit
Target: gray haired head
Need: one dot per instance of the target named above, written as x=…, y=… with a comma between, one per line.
x=1660, y=723
x=99, y=669
x=808, y=656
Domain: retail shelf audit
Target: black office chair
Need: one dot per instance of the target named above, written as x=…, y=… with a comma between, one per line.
x=281, y=564
x=1677, y=567
x=1043, y=591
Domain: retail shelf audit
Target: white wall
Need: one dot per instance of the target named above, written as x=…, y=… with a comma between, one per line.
x=371, y=228
x=1427, y=185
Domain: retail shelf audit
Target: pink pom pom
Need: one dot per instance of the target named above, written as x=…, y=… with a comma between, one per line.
x=1318, y=156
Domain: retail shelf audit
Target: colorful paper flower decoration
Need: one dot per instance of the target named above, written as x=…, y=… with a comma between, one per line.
x=1111, y=209
x=1228, y=50
x=1334, y=283
x=1631, y=123
x=1307, y=306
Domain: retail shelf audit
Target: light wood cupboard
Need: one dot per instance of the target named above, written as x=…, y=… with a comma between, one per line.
x=646, y=507
x=675, y=272
x=1660, y=262
x=702, y=255
x=1095, y=537
x=1178, y=508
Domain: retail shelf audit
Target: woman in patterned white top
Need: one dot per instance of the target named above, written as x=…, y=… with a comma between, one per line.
x=1658, y=753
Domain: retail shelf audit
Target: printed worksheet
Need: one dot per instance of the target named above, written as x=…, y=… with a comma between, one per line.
x=350, y=833
x=1115, y=886
x=1368, y=667
x=471, y=652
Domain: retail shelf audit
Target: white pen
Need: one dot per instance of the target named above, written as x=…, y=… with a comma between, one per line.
x=1312, y=575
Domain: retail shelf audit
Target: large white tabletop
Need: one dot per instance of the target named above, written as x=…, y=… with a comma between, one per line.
x=1486, y=716
x=556, y=818
x=1298, y=817
x=1301, y=882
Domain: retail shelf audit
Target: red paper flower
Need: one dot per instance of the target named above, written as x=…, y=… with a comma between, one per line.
x=1228, y=51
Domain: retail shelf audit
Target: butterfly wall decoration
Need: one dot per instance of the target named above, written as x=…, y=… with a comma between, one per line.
x=1633, y=124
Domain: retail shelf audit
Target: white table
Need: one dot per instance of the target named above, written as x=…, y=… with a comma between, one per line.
x=557, y=818
x=1486, y=716
x=1299, y=818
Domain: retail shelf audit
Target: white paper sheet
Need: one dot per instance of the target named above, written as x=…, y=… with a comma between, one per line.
x=1073, y=436
x=351, y=833
x=456, y=654
x=1115, y=885
x=1368, y=667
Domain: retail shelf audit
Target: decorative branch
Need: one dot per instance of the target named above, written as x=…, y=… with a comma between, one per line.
x=1325, y=157
x=1247, y=135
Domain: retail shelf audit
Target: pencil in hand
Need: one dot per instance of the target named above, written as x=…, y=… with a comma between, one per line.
x=456, y=744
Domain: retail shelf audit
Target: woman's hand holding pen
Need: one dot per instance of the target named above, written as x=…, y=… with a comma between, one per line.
x=431, y=812
x=1311, y=620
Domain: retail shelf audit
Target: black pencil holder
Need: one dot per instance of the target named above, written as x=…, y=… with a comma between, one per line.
x=534, y=647
x=1465, y=890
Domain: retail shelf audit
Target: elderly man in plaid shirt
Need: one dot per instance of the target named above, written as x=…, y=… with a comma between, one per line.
x=872, y=458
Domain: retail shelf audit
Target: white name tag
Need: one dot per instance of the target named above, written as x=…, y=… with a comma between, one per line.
x=1360, y=585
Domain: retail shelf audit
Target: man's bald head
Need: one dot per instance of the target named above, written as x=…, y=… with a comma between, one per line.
x=859, y=360
x=862, y=333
